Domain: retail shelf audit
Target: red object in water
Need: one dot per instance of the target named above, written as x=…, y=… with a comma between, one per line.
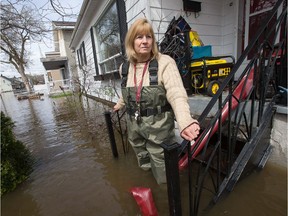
x=144, y=199
x=240, y=92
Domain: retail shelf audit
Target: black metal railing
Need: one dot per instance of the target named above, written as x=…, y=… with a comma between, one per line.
x=243, y=115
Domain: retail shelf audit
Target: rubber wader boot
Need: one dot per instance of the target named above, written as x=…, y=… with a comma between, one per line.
x=143, y=160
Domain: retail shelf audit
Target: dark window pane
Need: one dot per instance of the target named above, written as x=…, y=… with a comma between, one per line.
x=107, y=33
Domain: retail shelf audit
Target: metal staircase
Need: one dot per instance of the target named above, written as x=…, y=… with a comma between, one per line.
x=230, y=142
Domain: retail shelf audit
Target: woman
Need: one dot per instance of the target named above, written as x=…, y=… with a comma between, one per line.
x=152, y=106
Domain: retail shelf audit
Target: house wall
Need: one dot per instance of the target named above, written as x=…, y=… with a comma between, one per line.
x=93, y=86
x=64, y=49
x=216, y=25
x=94, y=12
x=229, y=28
x=62, y=42
x=102, y=89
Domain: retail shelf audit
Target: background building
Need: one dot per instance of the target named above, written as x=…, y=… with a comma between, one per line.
x=60, y=63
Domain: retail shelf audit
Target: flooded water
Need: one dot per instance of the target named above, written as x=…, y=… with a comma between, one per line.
x=75, y=173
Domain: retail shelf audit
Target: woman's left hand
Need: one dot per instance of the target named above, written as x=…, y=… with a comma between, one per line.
x=191, y=132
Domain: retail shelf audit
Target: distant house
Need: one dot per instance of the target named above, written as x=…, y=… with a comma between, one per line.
x=14, y=84
x=60, y=63
x=17, y=84
x=6, y=84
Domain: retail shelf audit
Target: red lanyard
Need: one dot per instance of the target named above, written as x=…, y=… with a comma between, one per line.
x=138, y=89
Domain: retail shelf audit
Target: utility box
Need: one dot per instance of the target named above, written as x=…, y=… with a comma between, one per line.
x=191, y=6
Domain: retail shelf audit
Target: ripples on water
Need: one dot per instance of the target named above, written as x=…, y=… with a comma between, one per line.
x=76, y=174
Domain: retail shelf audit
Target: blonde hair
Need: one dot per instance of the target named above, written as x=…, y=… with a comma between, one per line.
x=140, y=26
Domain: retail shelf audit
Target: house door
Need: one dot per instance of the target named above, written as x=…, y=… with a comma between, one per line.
x=256, y=12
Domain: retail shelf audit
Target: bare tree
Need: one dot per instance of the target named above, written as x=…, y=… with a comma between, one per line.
x=82, y=82
x=19, y=25
x=66, y=11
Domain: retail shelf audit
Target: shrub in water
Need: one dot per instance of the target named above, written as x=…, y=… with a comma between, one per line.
x=16, y=159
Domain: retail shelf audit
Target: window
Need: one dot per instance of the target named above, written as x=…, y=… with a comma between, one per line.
x=108, y=43
x=81, y=55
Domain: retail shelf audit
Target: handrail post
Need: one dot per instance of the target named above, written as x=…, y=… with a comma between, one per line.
x=107, y=115
x=173, y=180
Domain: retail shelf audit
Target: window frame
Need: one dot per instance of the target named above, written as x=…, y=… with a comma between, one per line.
x=118, y=57
x=81, y=55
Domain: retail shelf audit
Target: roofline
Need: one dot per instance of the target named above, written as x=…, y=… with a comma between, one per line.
x=79, y=20
x=9, y=79
x=63, y=25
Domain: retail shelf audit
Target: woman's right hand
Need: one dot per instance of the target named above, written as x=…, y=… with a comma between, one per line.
x=191, y=132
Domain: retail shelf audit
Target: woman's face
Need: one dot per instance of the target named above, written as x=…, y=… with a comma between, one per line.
x=143, y=45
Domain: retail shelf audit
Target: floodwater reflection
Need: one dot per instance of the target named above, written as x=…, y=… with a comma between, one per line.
x=76, y=174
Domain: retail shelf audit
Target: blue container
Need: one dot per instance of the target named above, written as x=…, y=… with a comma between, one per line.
x=202, y=51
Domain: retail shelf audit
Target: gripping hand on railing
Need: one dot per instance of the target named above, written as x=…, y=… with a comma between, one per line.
x=191, y=132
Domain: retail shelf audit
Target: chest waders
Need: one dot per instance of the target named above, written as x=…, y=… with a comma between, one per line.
x=150, y=122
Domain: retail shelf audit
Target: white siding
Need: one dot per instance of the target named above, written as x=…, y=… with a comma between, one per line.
x=90, y=68
x=215, y=23
x=229, y=43
x=61, y=43
x=89, y=52
x=136, y=9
